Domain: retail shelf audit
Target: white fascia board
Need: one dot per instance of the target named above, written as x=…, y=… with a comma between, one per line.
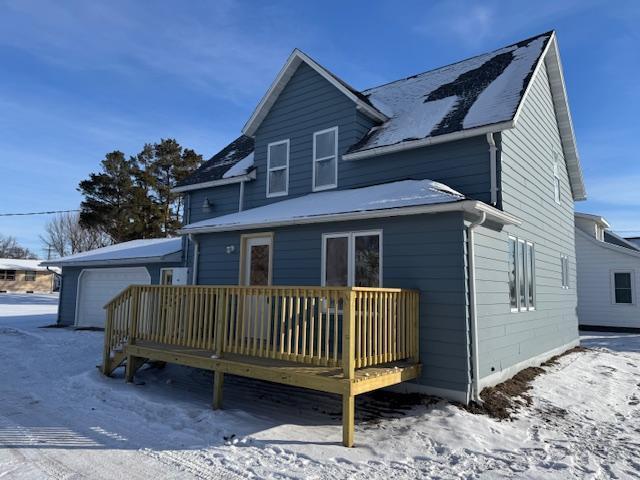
x=216, y=183
x=469, y=206
x=170, y=257
x=409, y=145
x=596, y=218
x=285, y=74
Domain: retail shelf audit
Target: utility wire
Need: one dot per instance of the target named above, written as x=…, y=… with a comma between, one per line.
x=36, y=213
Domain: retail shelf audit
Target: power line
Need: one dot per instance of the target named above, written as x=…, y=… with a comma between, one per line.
x=36, y=213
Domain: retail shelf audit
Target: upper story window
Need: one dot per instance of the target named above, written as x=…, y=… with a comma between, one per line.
x=29, y=276
x=278, y=168
x=599, y=231
x=556, y=177
x=522, y=275
x=325, y=159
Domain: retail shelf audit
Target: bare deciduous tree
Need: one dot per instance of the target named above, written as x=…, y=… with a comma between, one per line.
x=65, y=236
x=9, y=248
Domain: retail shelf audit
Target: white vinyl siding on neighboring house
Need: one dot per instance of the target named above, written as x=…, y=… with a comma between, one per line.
x=325, y=159
x=522, y=277
x=352, y=259
x=278, y=168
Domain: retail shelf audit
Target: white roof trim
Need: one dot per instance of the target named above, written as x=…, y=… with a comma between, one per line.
x=287, y=71
x=468, y=206
x=423, y=142
x=215, y=183
x=171, y=257
x=595, y=218
x=551, y=58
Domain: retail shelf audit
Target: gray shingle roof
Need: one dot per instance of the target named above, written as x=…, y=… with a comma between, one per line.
x=217, y=166
x=480, y=91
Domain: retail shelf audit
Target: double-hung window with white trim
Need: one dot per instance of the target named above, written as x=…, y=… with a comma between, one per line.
x=623, y=286
x=522, y=275
x=278, y=168
x=564, y=266
x=556, y=177
x=352, y=259
x=325, y=159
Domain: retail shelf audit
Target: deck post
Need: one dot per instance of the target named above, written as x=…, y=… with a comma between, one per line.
x=133, y=325
x=349, y=334
x=219, y=319
x=348, y=421
x=218, y=380
x=106, y=353
x=348, y=365
x=130, y=369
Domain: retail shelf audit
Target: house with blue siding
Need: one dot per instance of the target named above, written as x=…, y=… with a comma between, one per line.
x=458, y=183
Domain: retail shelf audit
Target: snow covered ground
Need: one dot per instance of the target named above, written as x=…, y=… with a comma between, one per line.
x=59, y=418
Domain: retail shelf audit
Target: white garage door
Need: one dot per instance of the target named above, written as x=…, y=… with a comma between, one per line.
x=97, y=287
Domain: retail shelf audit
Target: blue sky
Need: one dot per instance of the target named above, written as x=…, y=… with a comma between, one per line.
x=79, y=79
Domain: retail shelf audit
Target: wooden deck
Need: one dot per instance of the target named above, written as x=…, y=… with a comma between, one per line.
x=345, y=341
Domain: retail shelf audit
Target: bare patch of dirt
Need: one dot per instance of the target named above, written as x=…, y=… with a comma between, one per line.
x=505, y=399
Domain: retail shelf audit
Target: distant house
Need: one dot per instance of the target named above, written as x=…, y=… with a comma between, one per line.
x=608, y=276
x=90, y=279
x=25, y=276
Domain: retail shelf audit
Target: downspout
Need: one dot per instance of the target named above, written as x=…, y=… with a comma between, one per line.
x=241, y=197
x=473, y=314
x=493, y=167
x=196, y=258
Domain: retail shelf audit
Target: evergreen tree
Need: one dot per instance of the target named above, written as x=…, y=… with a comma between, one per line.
x=131, y=198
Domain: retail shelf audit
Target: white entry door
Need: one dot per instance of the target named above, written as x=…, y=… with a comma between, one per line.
x=257, y=272
x=97, y=286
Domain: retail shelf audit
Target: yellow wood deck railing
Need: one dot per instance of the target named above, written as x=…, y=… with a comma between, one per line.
x=331, y=326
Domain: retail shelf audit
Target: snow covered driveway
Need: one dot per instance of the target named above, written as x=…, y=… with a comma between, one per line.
x=59, y=418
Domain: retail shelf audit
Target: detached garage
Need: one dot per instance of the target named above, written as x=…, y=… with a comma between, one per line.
x=90, y=279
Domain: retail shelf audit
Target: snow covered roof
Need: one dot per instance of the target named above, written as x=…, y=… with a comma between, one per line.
x=134, y=251
x=396, y=198
x=21, y=264
x=234, y=160
x=479, y=91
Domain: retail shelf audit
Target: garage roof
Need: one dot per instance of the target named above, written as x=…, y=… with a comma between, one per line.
x=135, y=251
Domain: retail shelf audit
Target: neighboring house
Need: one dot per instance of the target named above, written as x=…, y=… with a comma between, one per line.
x=608, y=276
x=458, y=182
x=90, y=279
x=25, y=276
x=634, y=240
